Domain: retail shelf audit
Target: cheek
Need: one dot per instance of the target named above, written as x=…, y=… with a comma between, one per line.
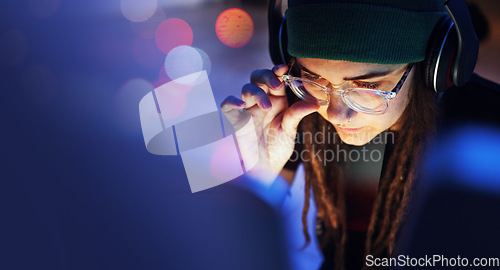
x=375, y=124
x=323, y=112
x=381, y=122
x=397, y=107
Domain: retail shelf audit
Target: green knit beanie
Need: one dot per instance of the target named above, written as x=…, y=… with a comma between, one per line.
x=365, y=31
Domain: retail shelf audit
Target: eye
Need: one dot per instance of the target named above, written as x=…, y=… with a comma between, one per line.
x=315, y=78
x=367, y=85
x=310, y=76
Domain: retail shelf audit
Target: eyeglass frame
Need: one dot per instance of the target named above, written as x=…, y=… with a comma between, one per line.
x=386, y=95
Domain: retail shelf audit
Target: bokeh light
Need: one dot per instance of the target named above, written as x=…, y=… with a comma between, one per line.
x=147, y=28
x=234, y=27
x=13, y=48
x=127, y=97
x=43, y=8
x=147, y=54
x=138, y=10
x=172, y=33
x=38, y=84
x=225, y=163
x=185, y=60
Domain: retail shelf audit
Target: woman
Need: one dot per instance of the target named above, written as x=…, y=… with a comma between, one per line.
x=358, y=69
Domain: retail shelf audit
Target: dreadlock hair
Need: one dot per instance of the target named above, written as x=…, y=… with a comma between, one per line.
x=415, y=128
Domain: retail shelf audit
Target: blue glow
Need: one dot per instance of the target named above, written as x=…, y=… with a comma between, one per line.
x=474, y=154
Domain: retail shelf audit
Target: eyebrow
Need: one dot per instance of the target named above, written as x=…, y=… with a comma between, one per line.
x=370, y=75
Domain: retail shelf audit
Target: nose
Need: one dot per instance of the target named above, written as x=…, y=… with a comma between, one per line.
x=338, y=111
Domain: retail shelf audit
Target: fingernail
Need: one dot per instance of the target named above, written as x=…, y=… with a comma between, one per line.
x=267, y=105
x=276, y=83
x=275, y=68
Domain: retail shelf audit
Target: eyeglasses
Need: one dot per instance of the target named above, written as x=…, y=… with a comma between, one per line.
x=365, y=100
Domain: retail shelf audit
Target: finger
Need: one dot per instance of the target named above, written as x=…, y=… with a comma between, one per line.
x=280, y=104
x=293, y=115
x=280, y=70
x=271, y=82
x=252, y=95
x=232, y=103
x=265, y=77
x=230, y=107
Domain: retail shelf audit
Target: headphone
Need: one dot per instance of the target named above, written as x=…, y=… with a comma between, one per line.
x=451, y=53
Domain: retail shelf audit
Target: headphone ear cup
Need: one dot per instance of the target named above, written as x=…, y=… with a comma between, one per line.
x=440, y=56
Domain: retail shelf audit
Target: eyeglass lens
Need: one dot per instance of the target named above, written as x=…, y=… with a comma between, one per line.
x=361, y=99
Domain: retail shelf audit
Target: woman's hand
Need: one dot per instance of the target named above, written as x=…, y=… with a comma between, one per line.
x=265, y=124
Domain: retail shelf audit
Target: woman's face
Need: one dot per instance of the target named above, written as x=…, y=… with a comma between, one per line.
x=362, y=127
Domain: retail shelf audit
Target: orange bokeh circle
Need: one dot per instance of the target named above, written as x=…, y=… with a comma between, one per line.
x=234, y=27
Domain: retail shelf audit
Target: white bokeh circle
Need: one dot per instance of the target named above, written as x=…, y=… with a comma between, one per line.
x=184, y=60
x=138, y=10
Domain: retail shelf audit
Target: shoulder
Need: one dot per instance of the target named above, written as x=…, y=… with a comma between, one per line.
x=478, y=101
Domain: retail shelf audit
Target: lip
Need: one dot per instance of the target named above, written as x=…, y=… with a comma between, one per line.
x=350, y=129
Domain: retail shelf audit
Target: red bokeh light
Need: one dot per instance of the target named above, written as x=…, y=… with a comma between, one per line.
x=234, y=27
x=172, y=33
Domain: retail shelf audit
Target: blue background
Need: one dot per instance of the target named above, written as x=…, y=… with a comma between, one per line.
x=78, y=188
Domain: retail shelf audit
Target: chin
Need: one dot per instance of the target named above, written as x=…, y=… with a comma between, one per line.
x=358, y=138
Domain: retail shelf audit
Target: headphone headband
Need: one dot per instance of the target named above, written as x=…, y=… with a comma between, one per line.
x=276, y=23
